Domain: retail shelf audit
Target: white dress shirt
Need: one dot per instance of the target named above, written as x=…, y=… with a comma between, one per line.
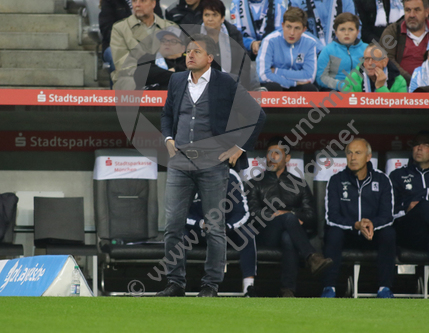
x=197, y=89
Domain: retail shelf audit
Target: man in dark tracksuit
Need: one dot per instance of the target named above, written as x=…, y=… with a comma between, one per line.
x=285, y=205
x=411, y=189
x=359, y=213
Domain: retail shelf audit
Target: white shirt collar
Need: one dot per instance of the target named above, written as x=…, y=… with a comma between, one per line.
x=205, y=76
x=416, y=39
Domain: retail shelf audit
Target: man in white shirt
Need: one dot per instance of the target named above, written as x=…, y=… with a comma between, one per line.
x=205, y=133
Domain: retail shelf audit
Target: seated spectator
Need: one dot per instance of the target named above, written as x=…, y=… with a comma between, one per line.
x=378, y=74
x=287, y=59
x=359, y=205
x=111, y=12
x=236, y=218
x=229, y=42
x=420, y=78
x=375, y=15
x=321, y=15
x=154, y=72
x=185, y=12
x=256, y=19
x=132, y=38
x=405, y=41
x=342, y=55
x=286, y=215
x=411, y=190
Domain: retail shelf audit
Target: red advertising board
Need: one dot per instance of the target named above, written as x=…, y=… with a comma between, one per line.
x=66, y=97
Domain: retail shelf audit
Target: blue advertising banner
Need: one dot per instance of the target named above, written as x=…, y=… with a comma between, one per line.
x=30, y=276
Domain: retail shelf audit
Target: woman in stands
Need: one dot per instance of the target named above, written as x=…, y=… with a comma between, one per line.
x=230, y=50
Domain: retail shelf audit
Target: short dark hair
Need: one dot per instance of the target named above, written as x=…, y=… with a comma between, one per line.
x=278, y=140
x=213, y=5
x=295, y=14
x=425, y=3
x=344, y=18
x=210, y=44
x=421, y=137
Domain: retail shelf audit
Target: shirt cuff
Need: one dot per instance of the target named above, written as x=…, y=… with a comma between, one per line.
x=240, y=148
x=168, y=138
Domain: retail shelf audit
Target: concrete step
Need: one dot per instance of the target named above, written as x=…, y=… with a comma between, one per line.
x=34, y=41
x=43, y=23
x=85, y=60
x=25, y=6
x=41, y=77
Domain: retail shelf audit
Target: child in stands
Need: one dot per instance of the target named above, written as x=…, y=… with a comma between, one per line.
x=339, y=57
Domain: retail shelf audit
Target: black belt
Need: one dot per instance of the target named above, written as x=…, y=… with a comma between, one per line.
x=193, y=154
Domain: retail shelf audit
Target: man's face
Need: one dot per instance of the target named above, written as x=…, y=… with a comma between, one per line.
x=170, y=46
x=421, y=153
x=276, y=158
x=197, y=57
x=292, y=31
x=212, y=19
x=373, y=57
x=357, y=155
x=143, y=8
x=415, y=15
x=347, y=33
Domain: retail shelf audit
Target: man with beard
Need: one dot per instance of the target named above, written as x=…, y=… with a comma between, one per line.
x=406, y=40
x=288, y=211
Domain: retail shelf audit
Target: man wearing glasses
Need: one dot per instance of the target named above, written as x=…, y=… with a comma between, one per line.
x=169, y=59
x=377, y=74
x=411, y=190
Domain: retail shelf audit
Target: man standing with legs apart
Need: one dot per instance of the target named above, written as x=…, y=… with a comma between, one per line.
x=202, y=122
x=359, y=213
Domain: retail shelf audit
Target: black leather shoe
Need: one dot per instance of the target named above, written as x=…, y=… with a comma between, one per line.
x=318, y=263
x=251, y=292
x=207, y=291
x=286, y=292
x=172, y=290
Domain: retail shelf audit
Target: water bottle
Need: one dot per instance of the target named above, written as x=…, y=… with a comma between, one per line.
x=75, y=284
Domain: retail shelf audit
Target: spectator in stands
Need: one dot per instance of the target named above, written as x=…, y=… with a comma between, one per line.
x=185, y=12
x=256, y=19
x=321, y=15
x=133, y=37
x=286, y=215
x=420, y=78
x=375, y=15
x=111, y=12
x=154, y=72
x=287, y=59
x=359, y=214
x=406, y=40
x=377, y=75
x=230, y=50
x=236, y=217
x=411, y=190
x=342, y=55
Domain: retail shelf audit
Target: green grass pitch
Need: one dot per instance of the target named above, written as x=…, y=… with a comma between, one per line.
x=220, y=315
